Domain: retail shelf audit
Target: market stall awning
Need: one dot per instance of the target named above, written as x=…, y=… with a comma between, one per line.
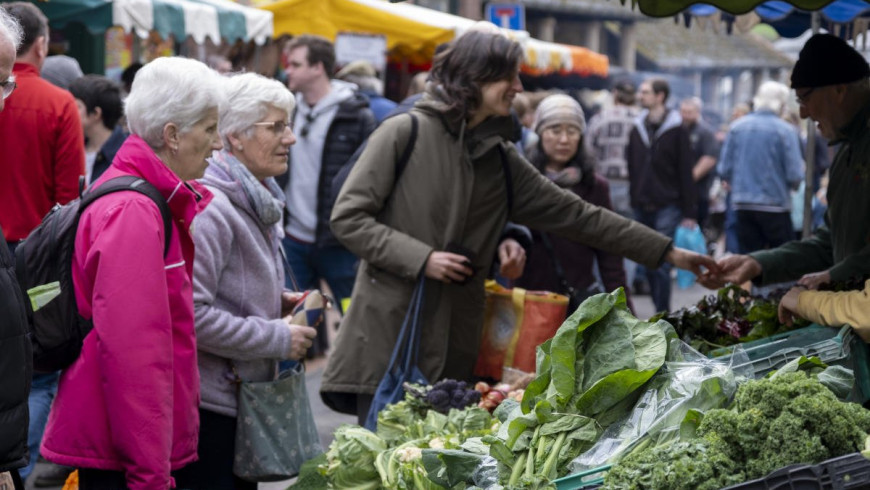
x=216, y=19
x=413, y=32
x=790, y=21
x=666, y=8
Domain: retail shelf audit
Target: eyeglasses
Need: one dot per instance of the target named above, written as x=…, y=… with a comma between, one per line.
x=8, y=87
x=802, y=98
x=277, y=127
x=557, y=131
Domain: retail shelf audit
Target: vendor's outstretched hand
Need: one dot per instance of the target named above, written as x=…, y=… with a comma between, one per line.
x=735, y=269
x=814, y=280
x=691, y=261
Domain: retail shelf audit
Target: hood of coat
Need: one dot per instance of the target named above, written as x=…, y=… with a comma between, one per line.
x=672, y=120
x=478, y=140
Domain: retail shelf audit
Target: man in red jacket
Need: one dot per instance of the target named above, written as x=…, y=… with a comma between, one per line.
x=43, y=156
x=40, y=133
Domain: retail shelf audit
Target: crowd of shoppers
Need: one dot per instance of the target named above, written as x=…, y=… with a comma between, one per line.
x=151, y=402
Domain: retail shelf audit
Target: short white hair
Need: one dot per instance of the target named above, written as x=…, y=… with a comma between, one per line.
x=248, y=98
x=771, y=96
x=171, y=90
x=694, y=102
x=10, y=29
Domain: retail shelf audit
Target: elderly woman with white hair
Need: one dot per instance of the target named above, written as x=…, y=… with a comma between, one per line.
x=241, y=326
x=126, y=410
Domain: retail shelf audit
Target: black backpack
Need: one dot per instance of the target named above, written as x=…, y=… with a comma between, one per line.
x=401, y=163
x=43, y=264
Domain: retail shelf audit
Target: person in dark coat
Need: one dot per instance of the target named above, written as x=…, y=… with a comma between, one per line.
x=464, y=180
x=559, y=154
x=17, y=367
x=100, y=108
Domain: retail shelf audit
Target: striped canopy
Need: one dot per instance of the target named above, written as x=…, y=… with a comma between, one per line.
x=219, y=20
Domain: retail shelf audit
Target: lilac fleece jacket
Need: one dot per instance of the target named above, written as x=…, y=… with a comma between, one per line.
x=238, y=279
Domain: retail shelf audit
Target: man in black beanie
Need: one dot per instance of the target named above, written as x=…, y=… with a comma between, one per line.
x=832, y=86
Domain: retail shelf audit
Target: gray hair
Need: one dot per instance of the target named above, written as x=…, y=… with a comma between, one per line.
x=248, y=97
x=10, y=29
x=859, y=87
x=171, y=90
x=771, y=96
x=694, y=102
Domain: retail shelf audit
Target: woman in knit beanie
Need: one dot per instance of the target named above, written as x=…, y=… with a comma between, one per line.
x=559, y=154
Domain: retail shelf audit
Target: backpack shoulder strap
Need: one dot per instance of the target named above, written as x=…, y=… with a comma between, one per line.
x=137, y=184
x=508, y=177
x=402, y=162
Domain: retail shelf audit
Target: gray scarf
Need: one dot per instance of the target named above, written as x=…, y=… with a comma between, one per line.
x=266, y=198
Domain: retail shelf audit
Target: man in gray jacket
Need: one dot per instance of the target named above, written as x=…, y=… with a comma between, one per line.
x=332, y=119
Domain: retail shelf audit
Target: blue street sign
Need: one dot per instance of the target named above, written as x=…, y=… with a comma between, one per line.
x=507, y=15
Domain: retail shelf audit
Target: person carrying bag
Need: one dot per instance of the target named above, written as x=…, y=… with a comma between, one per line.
x=276, y=432
x=403, y=362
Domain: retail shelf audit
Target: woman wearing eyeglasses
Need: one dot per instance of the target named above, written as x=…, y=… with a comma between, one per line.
x=238, y=275
x=442, y=217
x=560, y=156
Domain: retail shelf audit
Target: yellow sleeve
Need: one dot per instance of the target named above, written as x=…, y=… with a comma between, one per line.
x=838, y=308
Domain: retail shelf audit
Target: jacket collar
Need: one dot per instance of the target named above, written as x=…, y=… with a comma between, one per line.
x=672, y=119
x=856, y=128
x=185, y=199
x=25, y=70
x=113, y=144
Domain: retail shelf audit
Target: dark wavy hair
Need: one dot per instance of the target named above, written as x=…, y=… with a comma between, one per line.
x=582, y=160
x=472, y=60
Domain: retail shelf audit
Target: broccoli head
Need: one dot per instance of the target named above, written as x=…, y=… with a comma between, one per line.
x=696, y=465
x=775, y=422
x=786, y=420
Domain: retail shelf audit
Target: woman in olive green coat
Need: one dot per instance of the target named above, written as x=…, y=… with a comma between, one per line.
x=453, y=191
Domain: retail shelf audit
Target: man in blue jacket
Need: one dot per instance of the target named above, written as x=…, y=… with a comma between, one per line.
x=761, y=161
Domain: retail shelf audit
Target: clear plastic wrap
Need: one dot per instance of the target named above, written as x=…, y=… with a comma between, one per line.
x=689, y=381
x=486, y=475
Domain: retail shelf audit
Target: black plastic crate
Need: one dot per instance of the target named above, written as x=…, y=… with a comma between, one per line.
x=846, y=472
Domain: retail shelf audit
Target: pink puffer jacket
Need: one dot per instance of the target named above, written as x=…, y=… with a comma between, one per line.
x=129, y=402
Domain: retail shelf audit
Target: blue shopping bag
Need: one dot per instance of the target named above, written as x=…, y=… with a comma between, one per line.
x=690, y=239
x=403, y=363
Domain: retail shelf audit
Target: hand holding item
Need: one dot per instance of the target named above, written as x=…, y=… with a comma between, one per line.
x=301, y=338
x=289, y=299
x=814, y=280
x=788, y=305
x=688, y=223
x=448, y=267
x=512, y=257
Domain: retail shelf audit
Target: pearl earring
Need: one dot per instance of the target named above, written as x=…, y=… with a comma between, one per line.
x=239, y=147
